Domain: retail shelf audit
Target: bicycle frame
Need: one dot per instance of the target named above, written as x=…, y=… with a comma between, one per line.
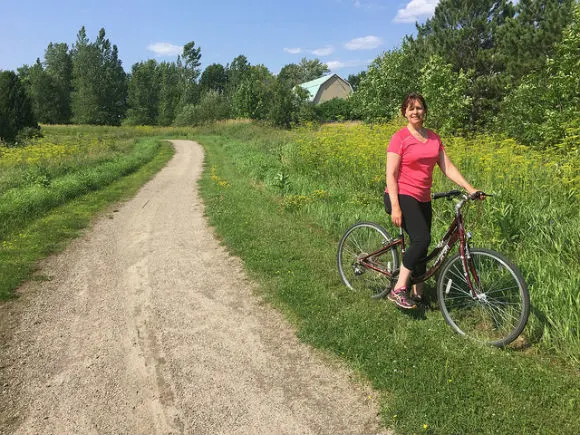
x=455, y=233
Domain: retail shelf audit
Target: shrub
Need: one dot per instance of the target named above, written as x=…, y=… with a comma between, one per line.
x=337, y=109
x=212, y=107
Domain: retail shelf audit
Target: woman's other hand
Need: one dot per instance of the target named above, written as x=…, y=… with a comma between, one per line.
x=397, y=216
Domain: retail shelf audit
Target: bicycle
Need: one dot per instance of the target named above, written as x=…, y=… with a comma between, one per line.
x=481, y=294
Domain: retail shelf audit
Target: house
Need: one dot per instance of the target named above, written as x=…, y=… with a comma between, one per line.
x=326, y=88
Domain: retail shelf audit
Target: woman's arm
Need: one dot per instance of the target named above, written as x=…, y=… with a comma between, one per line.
x=393, y=164
x=451, y=172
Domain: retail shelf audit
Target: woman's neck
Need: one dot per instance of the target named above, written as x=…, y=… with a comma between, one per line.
x=420, y=130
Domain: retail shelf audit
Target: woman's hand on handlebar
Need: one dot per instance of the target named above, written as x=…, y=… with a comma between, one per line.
x=477, y=194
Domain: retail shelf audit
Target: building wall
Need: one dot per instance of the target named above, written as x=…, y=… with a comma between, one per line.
x=333, y=88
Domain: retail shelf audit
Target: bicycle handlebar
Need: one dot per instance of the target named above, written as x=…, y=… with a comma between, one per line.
x=454, y=193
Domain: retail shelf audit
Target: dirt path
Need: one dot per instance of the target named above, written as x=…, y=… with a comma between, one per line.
x=149, y=326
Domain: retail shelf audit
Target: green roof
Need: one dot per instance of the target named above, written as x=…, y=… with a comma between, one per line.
x=314, y=85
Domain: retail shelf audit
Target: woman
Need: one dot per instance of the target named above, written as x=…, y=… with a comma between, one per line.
x=411, y=157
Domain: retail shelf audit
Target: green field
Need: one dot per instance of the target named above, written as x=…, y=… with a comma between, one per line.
x=280, y=200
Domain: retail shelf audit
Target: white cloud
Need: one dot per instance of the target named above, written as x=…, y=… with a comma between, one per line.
x=293, y=50
x=334, y=65
x=323, y=51
x=162, y=49
x=415, y=10
x=364, y=43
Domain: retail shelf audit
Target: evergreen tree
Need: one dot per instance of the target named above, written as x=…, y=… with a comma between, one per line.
x=99, y=82
x=525, y=40
x=15, y=107
x=543, y=110
x=462, y=33
x=43, y=92
x=85, y=81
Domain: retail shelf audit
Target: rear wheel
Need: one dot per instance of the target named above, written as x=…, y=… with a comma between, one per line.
x=498, y=313
x=357, y=243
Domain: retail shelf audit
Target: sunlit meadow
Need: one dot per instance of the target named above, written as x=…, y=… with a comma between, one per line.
x=335, y=175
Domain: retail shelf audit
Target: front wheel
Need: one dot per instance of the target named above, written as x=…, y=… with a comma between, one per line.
x=498, y=312
x=360, y=270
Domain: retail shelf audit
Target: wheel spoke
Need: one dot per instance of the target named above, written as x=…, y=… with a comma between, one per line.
x=499, y=312
x=358, y=242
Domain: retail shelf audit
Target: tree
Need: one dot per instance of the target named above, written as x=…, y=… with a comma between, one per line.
x=58, y=65
x=312, y=69
x=42, y=89
x=462, y=32
x=236, y=73
x=305, y=71
x=287, y=102
x=355, y=79
x=526, y=39
x=99, y=82
x=143, y=94
x=253, y=96
x=190, y=70
x=291, y=74
x=446, y=94
x=389, y=78
x=49, y=85
x=113, y=82
x=169, y=92
x=15, y=107
x=85, y=81
x=543, y=109
x=214, y=77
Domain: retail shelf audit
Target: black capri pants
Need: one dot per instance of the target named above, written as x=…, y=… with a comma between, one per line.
x=417, y=218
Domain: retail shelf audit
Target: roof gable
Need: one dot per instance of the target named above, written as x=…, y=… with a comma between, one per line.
x=313, y=86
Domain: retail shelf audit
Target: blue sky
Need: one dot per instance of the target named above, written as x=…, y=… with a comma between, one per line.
x=344, y=34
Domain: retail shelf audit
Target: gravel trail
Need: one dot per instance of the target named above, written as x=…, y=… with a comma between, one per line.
x=148, y=325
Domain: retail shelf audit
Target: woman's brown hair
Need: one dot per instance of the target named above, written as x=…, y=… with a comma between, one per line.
x=411, y=98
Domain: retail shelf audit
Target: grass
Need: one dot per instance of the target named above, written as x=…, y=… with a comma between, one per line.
x=38, y=221
x=334, y=176
x=429, y=380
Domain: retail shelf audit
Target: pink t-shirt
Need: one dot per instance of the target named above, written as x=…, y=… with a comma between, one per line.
x=417, y=161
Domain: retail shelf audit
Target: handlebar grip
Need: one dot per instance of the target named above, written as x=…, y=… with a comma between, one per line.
x=449, y=194
x=479, y=195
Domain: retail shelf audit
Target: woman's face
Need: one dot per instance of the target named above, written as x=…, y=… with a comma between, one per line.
x=415, y=113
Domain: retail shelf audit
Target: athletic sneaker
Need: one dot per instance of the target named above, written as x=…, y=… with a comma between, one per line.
x=399, y=297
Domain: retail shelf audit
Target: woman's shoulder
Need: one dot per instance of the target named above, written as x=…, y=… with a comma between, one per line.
x=402, y=133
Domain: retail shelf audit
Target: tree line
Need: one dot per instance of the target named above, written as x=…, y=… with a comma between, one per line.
x=481, y=64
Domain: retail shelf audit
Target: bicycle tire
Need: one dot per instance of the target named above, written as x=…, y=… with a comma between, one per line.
x=360, y=240
x=500, y=312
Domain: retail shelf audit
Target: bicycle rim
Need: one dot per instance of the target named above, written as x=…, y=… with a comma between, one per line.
x=499, y=312
x=359, y=241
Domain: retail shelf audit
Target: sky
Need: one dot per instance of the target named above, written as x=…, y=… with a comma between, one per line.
x=344, y=34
